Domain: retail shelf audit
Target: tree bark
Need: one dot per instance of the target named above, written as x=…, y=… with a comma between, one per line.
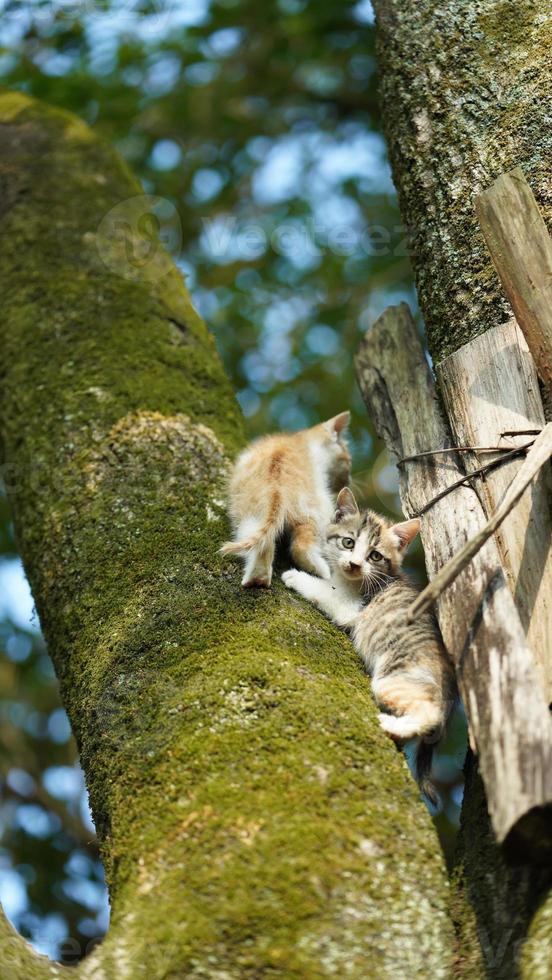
x=466, y=92
x=253, y=819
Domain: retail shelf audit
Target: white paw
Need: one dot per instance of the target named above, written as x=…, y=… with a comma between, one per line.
x=291, y=578
x=398, y=726
x=387, y=722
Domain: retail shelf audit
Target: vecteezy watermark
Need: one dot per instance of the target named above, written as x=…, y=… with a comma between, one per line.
x=225, y=237
x=134, y=239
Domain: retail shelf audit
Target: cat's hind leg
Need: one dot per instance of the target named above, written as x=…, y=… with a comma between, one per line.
x=258, y=567
x=257, y=552
x=305, y=549
x=411, y=709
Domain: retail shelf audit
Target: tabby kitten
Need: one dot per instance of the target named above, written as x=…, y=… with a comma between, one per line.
x=368, y=595
x=286, y=482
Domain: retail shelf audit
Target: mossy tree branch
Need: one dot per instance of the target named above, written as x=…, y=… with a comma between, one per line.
x=465, y=92
x=253, y=819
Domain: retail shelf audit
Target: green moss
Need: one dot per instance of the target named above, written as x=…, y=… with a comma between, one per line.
x=536, y=958
x=254, y=820
x=509, y=22
x=19, y=960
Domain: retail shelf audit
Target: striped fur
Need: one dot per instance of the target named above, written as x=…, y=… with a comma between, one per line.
x=412, y=676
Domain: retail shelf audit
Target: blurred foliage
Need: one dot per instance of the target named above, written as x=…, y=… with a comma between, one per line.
x=259, y=123
x=51, y=878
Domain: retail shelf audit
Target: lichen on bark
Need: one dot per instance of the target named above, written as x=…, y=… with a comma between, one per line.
x=466, y=94
x=253, y=819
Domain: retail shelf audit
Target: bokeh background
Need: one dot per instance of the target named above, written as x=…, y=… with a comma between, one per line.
x=257, y=126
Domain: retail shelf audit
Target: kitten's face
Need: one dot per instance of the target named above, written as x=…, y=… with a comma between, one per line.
x=363, y=547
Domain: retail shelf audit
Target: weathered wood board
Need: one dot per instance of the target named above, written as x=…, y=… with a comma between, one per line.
x=521, y=250
x=490, y=386
x=536, y=456
x=497, y=676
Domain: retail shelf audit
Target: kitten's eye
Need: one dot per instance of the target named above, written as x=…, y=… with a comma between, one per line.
x=375, y=556
x=348, y=543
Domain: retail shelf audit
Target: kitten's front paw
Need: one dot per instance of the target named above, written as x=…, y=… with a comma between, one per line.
x=301, y=582
x=290, y=578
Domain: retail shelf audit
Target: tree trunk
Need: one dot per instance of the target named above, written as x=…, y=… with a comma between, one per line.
x=465, y=92
x=253, y=819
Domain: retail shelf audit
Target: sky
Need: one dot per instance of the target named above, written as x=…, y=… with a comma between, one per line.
x=16, y=600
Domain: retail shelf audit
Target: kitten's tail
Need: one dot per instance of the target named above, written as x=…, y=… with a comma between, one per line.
x=263, y=537
x=242, y=547
x=422, y=767
x=427, y=725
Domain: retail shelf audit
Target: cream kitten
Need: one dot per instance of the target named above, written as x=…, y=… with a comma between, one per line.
x=285, y=482
x=368, y=595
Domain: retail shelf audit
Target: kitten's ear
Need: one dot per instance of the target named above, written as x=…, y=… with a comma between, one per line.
x=405, y=532
x=346, y=504
x=338, y=424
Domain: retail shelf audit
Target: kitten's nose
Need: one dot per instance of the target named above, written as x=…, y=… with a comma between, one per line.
x=353, y=567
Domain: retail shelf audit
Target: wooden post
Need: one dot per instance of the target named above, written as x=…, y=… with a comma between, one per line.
x=537, y=456
x=521, y=250
x=498, y=680
x=490, y=386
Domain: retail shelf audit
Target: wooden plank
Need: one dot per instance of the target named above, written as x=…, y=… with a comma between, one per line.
x=498, y=680
x=490, y=386
x=521, y=250
x=539, y=454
